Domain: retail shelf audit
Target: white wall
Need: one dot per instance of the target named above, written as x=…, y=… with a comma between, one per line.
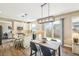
x=68, y=32
x=5, y=27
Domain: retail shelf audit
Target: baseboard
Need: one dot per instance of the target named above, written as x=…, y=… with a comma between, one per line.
x=67, y=46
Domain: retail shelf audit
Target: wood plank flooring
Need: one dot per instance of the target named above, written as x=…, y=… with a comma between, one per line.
x=8, y=50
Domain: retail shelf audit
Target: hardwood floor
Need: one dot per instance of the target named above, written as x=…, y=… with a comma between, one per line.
x=7, y=49
x=67, y=50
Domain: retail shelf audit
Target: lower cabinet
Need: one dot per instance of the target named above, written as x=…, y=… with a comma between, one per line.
x=75, y=48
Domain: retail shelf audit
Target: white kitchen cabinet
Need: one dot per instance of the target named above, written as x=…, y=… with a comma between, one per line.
x=75, y=48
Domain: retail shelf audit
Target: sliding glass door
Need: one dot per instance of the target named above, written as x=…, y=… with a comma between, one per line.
x=48, y=29
x=57, y=29
x=53, y=30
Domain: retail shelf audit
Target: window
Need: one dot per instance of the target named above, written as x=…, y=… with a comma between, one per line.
x=48, y=29
x=33, y=27
x=57, y=29
x=75, y=27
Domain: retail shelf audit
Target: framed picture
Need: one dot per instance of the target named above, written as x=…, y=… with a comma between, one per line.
x=19, y=28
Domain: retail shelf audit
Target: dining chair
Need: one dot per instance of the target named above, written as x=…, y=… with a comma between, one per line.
x=33, y=48
x=46, y=51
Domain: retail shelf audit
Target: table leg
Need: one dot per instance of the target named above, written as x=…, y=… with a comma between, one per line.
x=59, y=51
x=54, y=52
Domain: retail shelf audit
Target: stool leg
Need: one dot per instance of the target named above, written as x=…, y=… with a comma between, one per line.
x=31, y=53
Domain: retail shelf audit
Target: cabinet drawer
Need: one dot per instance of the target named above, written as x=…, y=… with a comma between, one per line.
x=75, y=49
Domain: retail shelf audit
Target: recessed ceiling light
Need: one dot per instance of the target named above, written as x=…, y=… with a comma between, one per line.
x=24, y=15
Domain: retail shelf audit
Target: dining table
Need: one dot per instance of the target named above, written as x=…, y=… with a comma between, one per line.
x=53, y=45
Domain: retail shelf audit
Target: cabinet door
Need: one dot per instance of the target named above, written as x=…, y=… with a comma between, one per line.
x=77, y=49
x=73, y=48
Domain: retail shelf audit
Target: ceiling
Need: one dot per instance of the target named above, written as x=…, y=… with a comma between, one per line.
x=33, y=10
x=15, y=10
